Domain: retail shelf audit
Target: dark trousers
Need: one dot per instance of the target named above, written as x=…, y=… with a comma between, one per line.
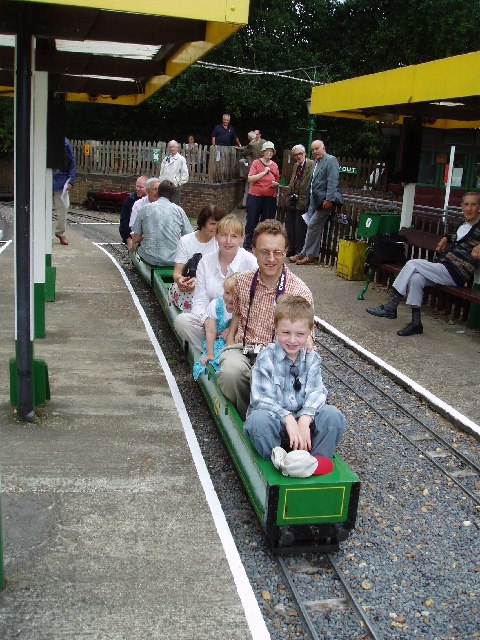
x=296, y=228
x=259, y=208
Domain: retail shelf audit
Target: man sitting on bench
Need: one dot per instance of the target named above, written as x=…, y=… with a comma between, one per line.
x=457, y=259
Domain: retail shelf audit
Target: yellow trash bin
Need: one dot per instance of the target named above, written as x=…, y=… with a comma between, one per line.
x=351, y=260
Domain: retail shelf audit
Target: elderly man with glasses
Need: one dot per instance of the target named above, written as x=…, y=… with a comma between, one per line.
x=297, y=200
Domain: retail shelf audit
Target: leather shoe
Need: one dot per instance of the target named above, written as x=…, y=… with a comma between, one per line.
x=296, y=257
x=382, y=312
x=306, y=260
x=63, y=240
x=411, y=329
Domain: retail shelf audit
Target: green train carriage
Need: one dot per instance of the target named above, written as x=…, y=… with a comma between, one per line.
x=296, y=514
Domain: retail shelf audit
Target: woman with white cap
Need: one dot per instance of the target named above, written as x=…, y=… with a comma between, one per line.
x=263, y=179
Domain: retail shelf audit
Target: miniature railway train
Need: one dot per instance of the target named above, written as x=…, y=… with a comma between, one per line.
x=296, y=514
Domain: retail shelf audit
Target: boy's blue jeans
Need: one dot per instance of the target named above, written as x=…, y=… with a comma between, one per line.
x=266, y=431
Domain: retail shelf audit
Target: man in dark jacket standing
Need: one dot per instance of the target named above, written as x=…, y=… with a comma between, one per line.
x=296, y=200
x=457, y=260
x=126, y=210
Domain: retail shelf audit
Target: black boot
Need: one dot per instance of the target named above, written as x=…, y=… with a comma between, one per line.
x=388, y=310
x=415, y=326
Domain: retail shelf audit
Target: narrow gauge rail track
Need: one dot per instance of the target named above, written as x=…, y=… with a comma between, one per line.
x=328, y=593
x=457, y=466
x=100, y=218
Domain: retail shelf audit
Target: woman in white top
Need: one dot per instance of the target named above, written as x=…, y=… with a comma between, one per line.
x=211, y=272
x=202, y=241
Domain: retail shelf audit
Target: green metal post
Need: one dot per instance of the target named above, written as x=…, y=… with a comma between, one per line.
x=311, y=128
x=2, y=576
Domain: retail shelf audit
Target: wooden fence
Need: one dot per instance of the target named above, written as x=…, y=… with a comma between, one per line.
x=206, y=164
x=369, y=174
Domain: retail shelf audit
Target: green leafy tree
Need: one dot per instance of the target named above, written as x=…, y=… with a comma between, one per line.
x=325, y=40
x=376, y=35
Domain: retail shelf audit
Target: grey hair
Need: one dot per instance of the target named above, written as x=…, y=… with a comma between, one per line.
x=297, y=148
x=251, y=135
x=151, y=182
x=476, y=194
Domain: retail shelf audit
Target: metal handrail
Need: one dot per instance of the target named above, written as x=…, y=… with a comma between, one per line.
x=451, y=214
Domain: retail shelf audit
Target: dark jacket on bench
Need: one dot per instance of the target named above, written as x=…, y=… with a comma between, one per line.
x=458, y=256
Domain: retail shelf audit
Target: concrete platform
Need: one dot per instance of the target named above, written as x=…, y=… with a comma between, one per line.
x=111, y=526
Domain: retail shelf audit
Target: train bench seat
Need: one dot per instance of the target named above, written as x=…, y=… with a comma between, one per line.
x=106, y=199
x=454, y=301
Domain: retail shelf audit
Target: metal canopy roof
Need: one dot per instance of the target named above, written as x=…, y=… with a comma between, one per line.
x=113, y=51
x=445, y=93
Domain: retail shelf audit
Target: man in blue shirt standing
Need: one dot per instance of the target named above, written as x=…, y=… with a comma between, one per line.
x=63, y=179
x=224, y=135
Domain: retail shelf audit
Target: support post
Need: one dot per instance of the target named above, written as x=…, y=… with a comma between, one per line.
x=407, y=204
x=23, y=289
x=50, y=272
x=39, y=155
x=447, y=187
x=311, y=128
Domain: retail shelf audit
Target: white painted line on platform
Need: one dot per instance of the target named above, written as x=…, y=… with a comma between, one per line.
x=7, y=243
x=107, y=244
x=252, y=611
x=84, y=223
x=469, y=425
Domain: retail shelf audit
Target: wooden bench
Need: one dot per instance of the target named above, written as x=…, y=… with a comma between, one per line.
x=453, y=300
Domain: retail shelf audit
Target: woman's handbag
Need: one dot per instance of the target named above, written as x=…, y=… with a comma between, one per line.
x=190, y=269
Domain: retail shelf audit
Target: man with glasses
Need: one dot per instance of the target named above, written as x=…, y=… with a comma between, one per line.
x=296, y=200
x=252, y=326
x=288, y=397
